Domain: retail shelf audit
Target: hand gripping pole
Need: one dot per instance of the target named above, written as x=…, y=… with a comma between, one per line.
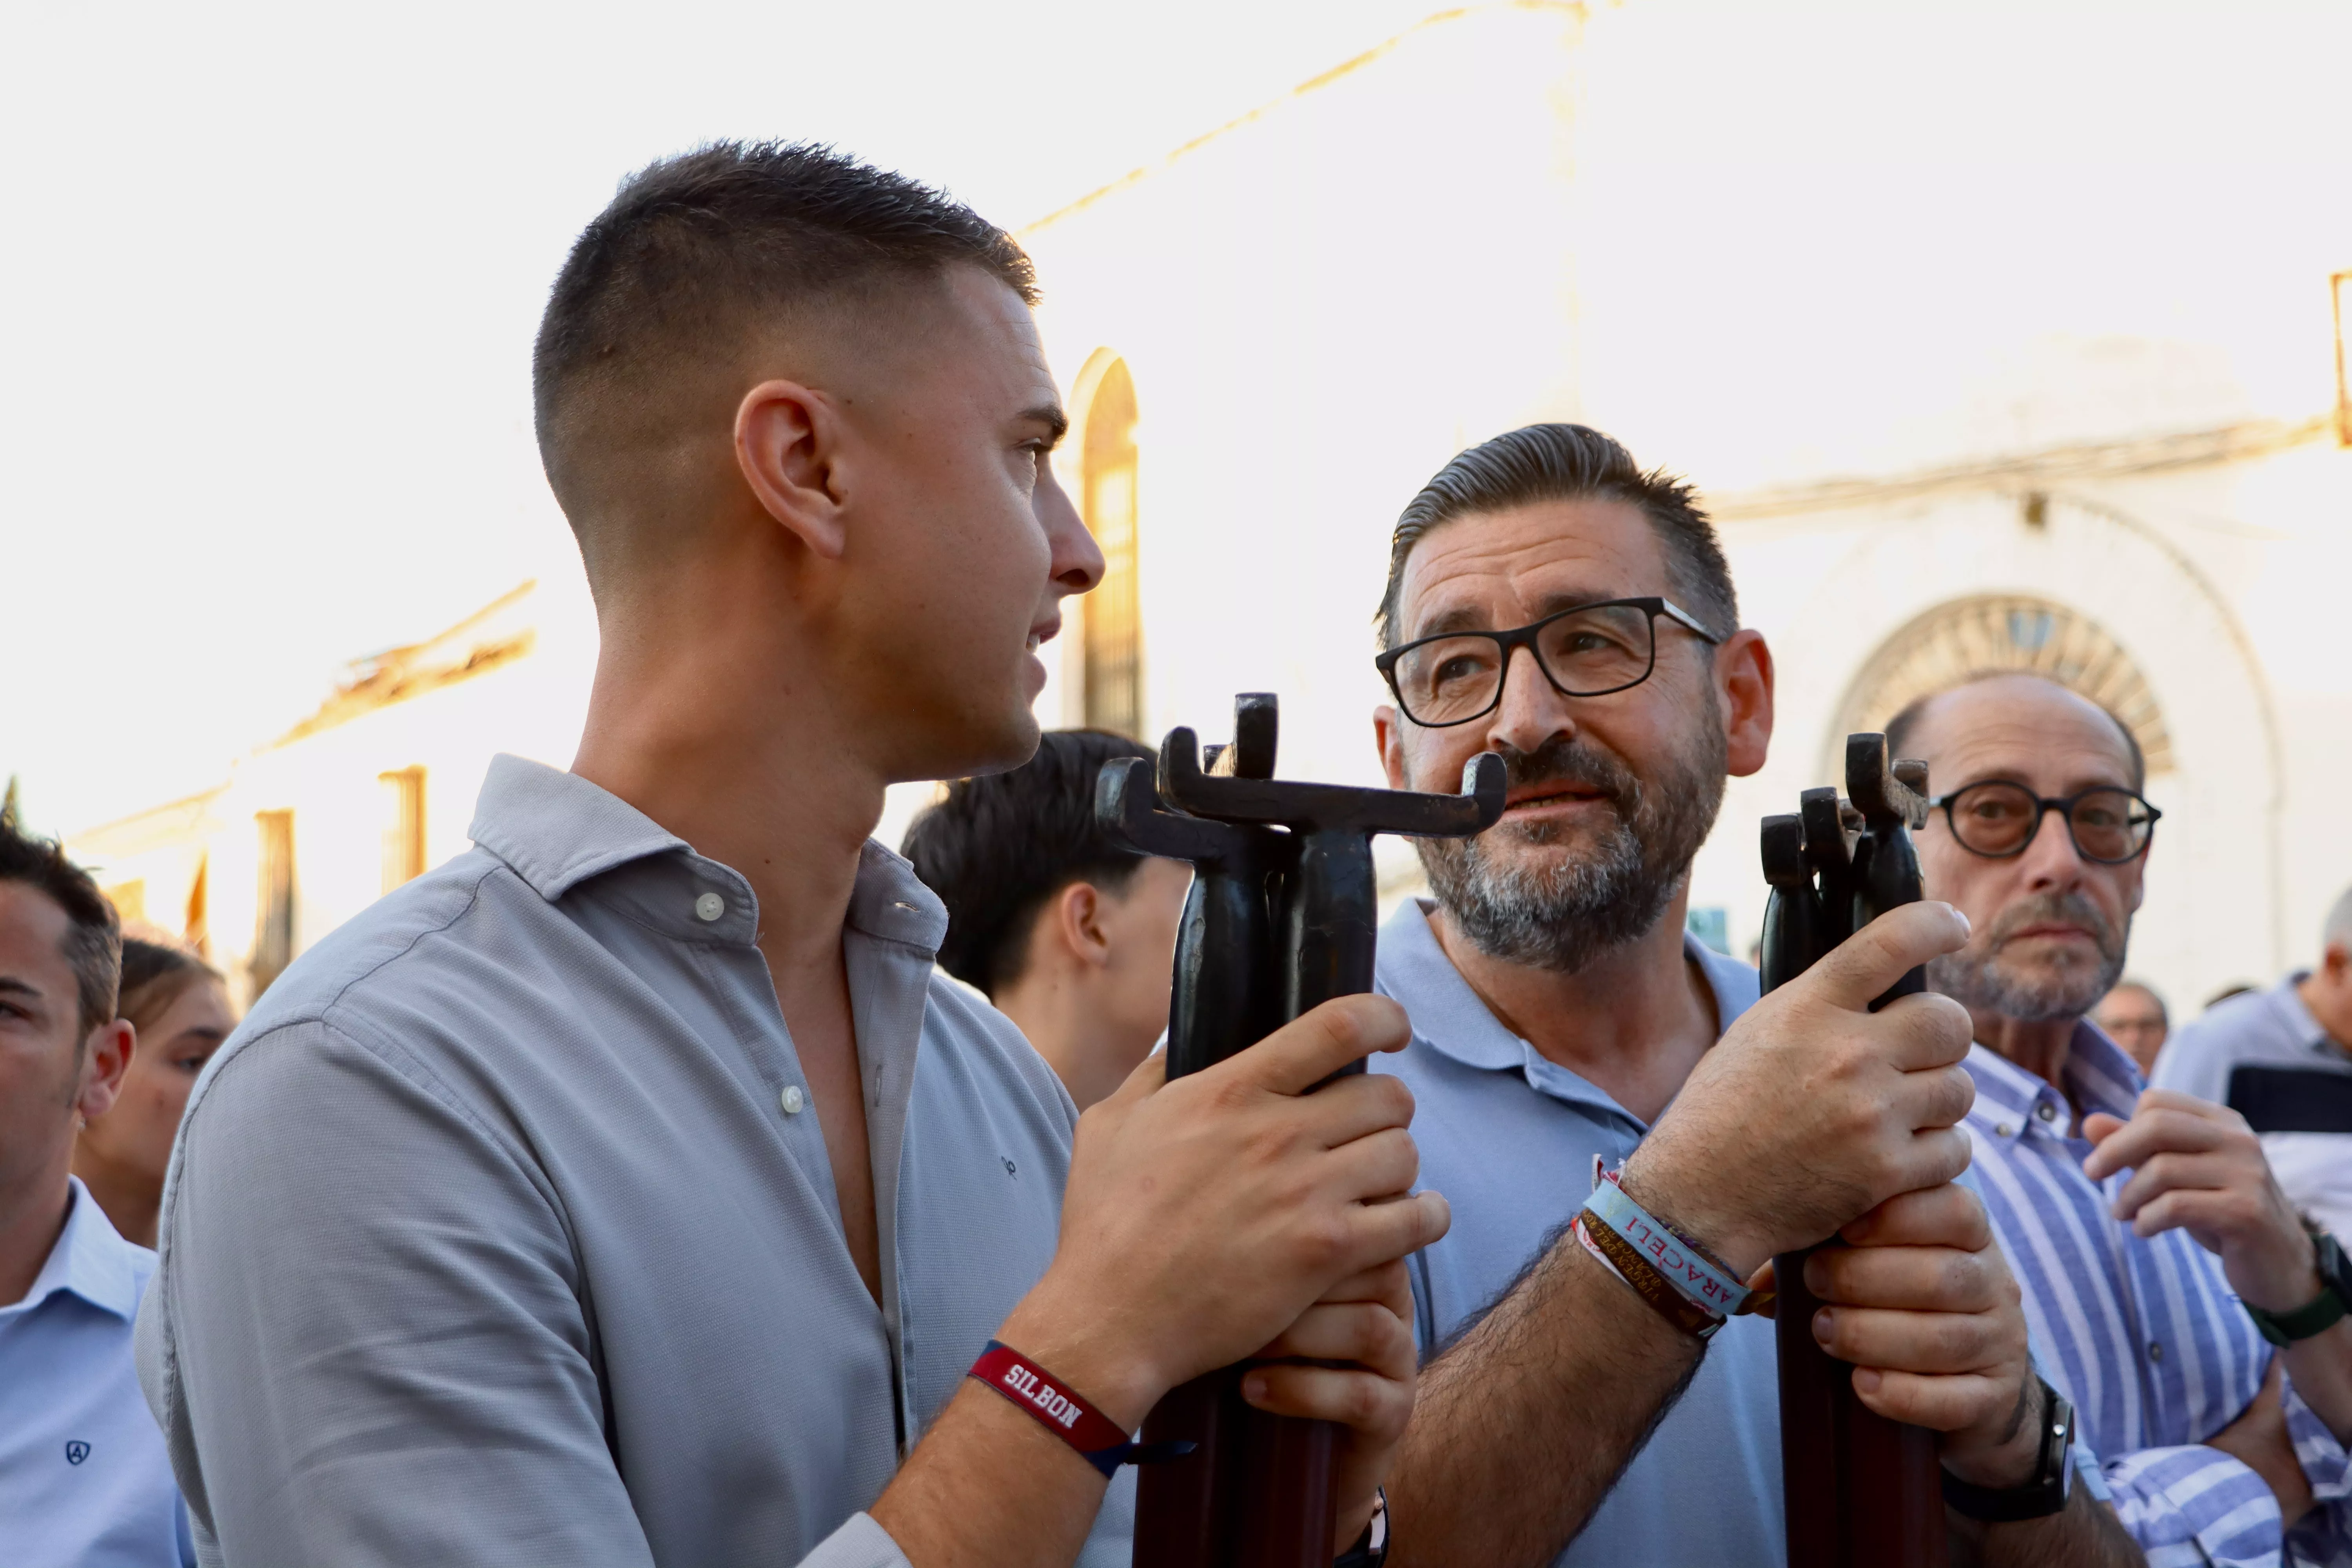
x=1280, y=919
x=1862, y=1491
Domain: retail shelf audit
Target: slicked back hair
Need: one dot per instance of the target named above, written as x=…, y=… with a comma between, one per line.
x=695, y=250
x=93, y=940
x=1569, y=462
x=996, y=849
x=1903, y=728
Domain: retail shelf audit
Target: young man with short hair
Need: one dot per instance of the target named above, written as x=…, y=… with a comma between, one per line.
x=1552, y=601
x=2160, y=1264
x=1072, y=937
x=83, y=1476
x=632, y=1189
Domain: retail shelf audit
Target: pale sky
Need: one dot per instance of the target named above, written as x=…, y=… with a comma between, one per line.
x=271, y=273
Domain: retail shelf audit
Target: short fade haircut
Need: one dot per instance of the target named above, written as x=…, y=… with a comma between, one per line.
x=1569, y=462
x=93, y=940
x=996, y=849
x=1904, y=725
x=692, y=248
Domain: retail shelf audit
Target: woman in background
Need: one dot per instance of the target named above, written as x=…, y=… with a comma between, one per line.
x=179, y=1005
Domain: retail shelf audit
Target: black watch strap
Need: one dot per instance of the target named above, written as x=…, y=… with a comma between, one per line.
x=2044, y=1493
x=1372, y=1548
x=2322, y=1311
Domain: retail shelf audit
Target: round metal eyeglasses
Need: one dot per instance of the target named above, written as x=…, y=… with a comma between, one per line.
x=1590, y=650
x=1997, y=818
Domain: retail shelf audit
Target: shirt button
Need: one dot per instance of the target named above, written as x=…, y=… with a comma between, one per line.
x=709, y=906
x=2002, y=1128
x=2045, y=1110
x=792, y=1100
x=2154, y=1350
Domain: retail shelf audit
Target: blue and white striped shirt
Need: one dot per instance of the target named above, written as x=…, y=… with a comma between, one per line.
x=2144, y=1337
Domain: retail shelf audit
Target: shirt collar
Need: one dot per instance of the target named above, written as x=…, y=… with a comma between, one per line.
x=2286, y=1000
x=2010, y=1100
x=89, y=1260
x=1452, y=1019
x=557, y=830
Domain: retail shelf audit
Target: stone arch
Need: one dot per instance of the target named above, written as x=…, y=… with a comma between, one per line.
x=1990, y=633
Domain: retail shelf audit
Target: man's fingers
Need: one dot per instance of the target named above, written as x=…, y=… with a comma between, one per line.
x=1940, y=1344
x=1941, y=1404
x=1911, y=1279
x=1361, y=1332
x=2161, y=1131
x=1948, y=1215
x=1380, y=1233
x=1314, y=1045
x=1382, y=1165
x=1355, y=1107
x=2098, y=1127
x=1931, y=1160
x=1935, y=1097
x=1374, y=1406
x=1860, y=969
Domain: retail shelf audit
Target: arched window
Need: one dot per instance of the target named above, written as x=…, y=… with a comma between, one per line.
x=2003, y=631
x=1113, y=634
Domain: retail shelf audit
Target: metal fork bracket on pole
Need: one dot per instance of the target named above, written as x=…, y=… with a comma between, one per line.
x=1862, y=1491
x=1281, y=918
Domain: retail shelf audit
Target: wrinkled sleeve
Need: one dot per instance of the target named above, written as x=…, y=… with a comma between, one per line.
x=367, y=1343
x=2325, y=1534
x=2192, y=1505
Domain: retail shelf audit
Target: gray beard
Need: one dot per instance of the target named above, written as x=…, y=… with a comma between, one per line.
x=1563, y=916
x=1977, y=978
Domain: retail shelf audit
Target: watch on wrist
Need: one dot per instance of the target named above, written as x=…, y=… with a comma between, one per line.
x=2321, y=1312
x=2044, y=1492
x=1372, y=1548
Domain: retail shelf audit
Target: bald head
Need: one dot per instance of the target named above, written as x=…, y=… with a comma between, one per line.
x=2013, y=700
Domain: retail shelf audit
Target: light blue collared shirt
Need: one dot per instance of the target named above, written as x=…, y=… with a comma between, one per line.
x=503, y=1232
x=2143, y=1335
x=1509, y=1137
x=84, y=1480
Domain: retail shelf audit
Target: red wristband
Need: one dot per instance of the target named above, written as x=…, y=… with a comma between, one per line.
x=1064, y=1412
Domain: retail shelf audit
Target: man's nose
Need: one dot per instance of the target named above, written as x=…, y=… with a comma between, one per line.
x=2052, y=861
x=1077, y=560
x=1530, y=713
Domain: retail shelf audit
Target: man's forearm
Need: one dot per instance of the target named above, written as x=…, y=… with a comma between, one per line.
x=988, y=1487
x=2321, y=1367
x=2085, y=1534
x=1570, y=1365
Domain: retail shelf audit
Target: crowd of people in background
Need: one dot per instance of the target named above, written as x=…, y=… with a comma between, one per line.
x=641, y=1185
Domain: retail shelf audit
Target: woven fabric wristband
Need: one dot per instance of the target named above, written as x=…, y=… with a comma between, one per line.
x=1701, y=1277
x=1064, y=1412
x=1617, y=1254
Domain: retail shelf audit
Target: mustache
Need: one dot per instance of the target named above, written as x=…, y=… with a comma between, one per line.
x=1564, y=760
x=2052, y=909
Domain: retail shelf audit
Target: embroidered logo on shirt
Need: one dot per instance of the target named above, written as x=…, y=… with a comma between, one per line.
x=1009, y=1168
x=77, y=1451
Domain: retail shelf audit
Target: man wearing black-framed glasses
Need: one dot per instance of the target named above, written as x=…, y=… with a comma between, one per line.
x=1551, y=601
x=2154, y=1250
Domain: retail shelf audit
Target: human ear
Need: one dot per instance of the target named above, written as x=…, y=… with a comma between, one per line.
x=1743, y=675
x=788, y=447
x=105, y=1057
x=1388, y=738
x=1079, y=911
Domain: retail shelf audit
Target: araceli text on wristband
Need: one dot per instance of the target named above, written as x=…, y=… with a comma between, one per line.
x=1705, y=1279
x=1621, y=1259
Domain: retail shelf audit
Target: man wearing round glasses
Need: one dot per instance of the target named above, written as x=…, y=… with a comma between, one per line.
x=1551, y=601
x=2156, y=1253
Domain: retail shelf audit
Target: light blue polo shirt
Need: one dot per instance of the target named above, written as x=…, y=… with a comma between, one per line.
x=1508, y=1137
x=84, y=1479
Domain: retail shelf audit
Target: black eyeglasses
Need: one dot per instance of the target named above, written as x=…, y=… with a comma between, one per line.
x=1588, y=651
x=1999, y=819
